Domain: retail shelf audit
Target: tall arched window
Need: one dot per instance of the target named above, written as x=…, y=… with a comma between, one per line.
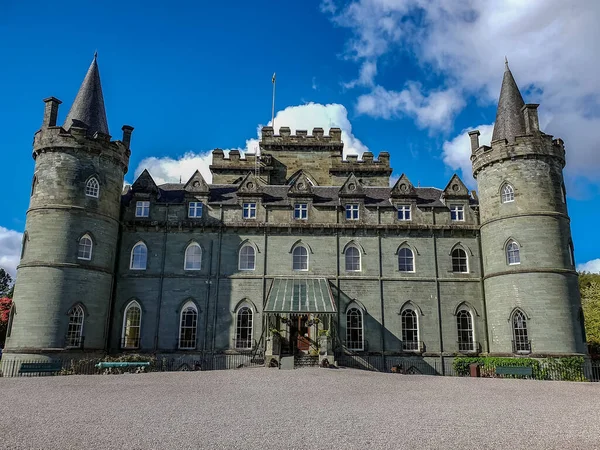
x=139, y=256
x=406, y=260
x=132, y=323
x=187, y=326
x=193, y=257
x=460, y=262
x=74, y=336
x=507, y=194
x=247, y=258
x=243, y=329
x=464, y=326
x=354, y=329
x=410, y=330
x=521, y=342
x=352, y=257
x=300, y=258
x=92, y=188
x=85, y=247
x=513, y=255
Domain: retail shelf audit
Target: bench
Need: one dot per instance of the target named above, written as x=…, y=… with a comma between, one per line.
x=46, y=367
x=514, y=370
x=121, y=364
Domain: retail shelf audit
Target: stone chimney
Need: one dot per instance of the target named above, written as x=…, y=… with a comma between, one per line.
x=530, y=115
x=474, y=135
x=50, y=112
x=127, y=130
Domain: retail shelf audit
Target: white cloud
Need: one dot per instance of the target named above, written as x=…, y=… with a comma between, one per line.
x=550, y=44
x=457, y=152
x=302, y=117
x=592, y=266
x=10, y=250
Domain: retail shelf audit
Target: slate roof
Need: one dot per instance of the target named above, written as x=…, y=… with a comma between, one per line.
x=509, y=118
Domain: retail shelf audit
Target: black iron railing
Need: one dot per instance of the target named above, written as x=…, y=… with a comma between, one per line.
x=521, y=346
x=130, y=343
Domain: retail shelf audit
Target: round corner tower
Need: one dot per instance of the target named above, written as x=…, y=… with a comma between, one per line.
x=530, y=282
x=65, y=277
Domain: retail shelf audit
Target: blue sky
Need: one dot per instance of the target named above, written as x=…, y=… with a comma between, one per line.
x=394, y=74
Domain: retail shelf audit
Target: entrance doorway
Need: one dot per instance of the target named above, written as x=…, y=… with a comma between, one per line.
x=303, y=334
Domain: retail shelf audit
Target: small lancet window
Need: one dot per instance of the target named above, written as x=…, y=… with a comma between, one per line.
x=188, y=326
x=352, y=259
x=33, y=185
x=513, y=255
x=85, y=248
x=508, y=194
x=92, y=188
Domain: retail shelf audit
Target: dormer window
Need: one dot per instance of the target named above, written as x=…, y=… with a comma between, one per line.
x=142, y=209
x=404, y=212
x=195, y=210
x=457, y=213
x=301, y=211
x=92, y=188
x=249, y=211
x=352, y=211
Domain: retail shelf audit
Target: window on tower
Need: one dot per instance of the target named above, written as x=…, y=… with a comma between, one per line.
x=85, y=248
x=92, y=188
x=507, y=194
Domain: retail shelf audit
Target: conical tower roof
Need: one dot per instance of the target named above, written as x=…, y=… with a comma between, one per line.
x=88, y=107
x=509, y=118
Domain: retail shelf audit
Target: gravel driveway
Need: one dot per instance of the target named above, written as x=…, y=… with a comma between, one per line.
x=296, y=409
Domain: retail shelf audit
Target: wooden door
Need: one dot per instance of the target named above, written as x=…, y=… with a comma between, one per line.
x=303, y=334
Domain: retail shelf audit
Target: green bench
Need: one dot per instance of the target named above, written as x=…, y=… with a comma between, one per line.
x=46, y=367
x=514, y=370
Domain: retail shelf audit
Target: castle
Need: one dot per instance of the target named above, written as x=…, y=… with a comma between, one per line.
x=295, y=245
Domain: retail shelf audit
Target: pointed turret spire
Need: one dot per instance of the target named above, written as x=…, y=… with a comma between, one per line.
x=88, y=107
x=509, y=117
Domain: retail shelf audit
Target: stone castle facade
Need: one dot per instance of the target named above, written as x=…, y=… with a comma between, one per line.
x=297, y=248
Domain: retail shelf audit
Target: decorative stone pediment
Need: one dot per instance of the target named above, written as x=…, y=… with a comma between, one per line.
x=301, y=185
x=456, y=188
x=144, y=183
x=196, y=184
x=250, y=185
x=403, y=188
x=352, y=187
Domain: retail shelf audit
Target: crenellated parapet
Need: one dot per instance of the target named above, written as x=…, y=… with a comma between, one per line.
x=373, y=172
x=318, y=141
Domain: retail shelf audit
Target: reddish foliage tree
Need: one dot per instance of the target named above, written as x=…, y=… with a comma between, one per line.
x=5, y=304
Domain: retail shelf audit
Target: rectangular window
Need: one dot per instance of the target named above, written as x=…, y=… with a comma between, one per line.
x=142, y=209
x=195, y=210
x=404, y=212
x=352, y=211
x=457, y=213
x=249, y=210
x=301, y=211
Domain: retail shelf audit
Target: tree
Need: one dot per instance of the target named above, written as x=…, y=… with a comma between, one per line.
x=5, y=305
x=590, y=301
x=6, y=284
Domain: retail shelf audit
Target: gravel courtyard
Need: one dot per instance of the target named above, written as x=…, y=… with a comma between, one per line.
x=296, y=409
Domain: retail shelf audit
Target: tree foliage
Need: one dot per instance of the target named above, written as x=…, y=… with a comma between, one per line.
x=5, y=305
x=6, y=284
x=589, y=285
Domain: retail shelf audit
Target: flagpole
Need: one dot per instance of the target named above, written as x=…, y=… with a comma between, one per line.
x=273, y=105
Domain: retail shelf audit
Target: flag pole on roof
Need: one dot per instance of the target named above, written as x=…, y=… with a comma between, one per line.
x=273, y=105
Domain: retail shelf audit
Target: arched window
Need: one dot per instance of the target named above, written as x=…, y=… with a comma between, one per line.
x=406, y=260
x=132, y=322
x=512, y=253
x=459, y=261
x=193, y=257
x=507, y=194
x=187, y=326
x=464, y=326
x=300, y=258
x=521, y=342
x=75, y=329
x=352, y=259
x=243, y=329
x=410, y=330
x=247, y=258
x=92, y=188
x=354, y=329
x=85, y=248
x=139, y=256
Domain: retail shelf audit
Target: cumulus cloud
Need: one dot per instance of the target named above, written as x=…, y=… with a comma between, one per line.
x=302, y=117
x=592, y=266
x=10, y=250
x=551, y=46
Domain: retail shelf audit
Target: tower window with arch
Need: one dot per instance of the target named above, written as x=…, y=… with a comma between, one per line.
x=132, y=325
x=92, y=188
x=188, y=325
x=410, y=331
x=521, y=342
x=243, y=329
x=352, y=259
x=464, y=327
x=247, y=258
x=193, y=257
x=84, y=250
x=74, y=336
x=139, y=257
x=460, y=262
x=300, y=258
x=513, y=254
x=507, y=194
x=406, y=260
x=354, y=329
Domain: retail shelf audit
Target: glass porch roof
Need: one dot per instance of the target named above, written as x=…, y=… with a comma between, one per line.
x=300, y=295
